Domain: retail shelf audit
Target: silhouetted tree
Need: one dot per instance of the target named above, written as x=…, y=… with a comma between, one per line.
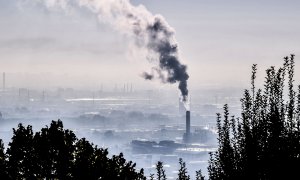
x=3, y=166
x=151, y=176
x=120, y=169
x=55, y=153
x=83, y=166
x=265, y=142
x=21, y=160
x=55, y=148
x=182, y=173
x=101, y=163
x=160, y=172
x=199, y=175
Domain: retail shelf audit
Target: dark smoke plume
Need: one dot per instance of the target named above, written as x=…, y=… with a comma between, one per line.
x=149, y=31
x=168, y=56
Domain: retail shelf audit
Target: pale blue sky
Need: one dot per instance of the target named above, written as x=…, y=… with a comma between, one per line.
x=218, y=40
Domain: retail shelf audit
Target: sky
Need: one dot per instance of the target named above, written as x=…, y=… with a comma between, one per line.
x=217, y=40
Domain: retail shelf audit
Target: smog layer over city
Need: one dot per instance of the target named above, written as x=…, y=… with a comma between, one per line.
x=143, y=78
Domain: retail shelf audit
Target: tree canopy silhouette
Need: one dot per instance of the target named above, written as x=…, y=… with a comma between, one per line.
x=264, y=143
x=56, y=153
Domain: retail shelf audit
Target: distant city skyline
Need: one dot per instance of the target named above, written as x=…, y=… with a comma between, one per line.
x=218, y=40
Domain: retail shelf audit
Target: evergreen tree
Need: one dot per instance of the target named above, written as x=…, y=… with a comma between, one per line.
x=161, y=175
x=182, y=173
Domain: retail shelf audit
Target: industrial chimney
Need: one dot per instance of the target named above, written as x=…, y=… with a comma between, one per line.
x=188, y=126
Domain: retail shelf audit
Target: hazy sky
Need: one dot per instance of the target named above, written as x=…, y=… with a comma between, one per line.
x=218, y=40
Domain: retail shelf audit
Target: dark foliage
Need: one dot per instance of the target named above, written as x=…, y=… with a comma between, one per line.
x=199, y=175
x=265, y=142
x=3, y=166
x=182, y=173
x=151, y=176
x=161, y=175
x=55, y=153
x=20, y=154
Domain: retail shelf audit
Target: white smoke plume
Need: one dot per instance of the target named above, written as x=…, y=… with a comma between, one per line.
x=149, y=31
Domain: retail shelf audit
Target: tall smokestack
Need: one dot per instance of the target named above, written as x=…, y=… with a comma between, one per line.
x=3, y=81
x=188, y=125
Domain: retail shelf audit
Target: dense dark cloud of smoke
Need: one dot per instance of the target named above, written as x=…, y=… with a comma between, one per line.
x=149, y=31
x=168, y=55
